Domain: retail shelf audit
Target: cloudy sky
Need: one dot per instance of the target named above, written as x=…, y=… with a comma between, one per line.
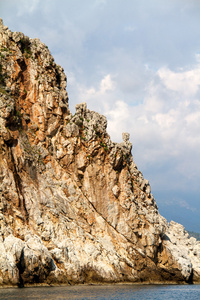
x=138, y=63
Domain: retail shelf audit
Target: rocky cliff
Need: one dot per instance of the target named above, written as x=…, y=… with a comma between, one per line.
x=74, y=208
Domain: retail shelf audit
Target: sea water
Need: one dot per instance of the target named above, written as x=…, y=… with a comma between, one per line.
x=102, y=292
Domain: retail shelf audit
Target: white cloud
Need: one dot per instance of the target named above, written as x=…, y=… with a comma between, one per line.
x=98, y=97
x=186, y=82
x=165, y=121
x=118, y=114
x=193, y=118
x=107, y=84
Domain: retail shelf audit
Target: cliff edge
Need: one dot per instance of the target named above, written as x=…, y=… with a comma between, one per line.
x=74, y=208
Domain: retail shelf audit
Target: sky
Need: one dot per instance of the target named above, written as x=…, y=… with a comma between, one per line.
x=138, y=63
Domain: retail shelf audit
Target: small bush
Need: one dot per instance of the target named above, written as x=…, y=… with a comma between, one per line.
x=82, y=137
x=25, y=47
x=79, y=123
x=4, y=49
x=104, y=146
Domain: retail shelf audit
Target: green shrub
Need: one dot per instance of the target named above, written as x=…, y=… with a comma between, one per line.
x=79, y=123
x=25, y=47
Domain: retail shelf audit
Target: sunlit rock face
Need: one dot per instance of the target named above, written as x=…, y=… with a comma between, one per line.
x=73, y=206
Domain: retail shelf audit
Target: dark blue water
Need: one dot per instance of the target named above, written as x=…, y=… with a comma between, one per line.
x=117, y=292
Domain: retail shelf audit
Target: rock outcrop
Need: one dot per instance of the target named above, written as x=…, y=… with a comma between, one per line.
x=184, y=249
x=74, y=208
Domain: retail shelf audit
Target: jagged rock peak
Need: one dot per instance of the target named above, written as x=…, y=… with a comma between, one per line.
x=37, y=84
x=74, y=208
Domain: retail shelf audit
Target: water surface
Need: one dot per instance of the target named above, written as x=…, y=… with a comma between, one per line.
x=98, y=292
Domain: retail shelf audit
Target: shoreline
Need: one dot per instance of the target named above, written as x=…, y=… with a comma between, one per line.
x=36, y=285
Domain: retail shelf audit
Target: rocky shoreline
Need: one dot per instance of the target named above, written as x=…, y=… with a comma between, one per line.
x=74, y=208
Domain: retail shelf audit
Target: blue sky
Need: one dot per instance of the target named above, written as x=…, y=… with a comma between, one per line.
x=138, y=63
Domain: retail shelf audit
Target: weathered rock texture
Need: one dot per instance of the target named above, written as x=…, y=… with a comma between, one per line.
x=73, y=206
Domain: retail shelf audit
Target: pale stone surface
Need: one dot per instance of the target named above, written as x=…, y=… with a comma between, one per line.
x=73, y=205
x=185, y=250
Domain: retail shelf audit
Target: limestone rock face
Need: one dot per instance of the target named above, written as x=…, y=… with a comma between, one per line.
x=74, y=208
x=185, y=250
